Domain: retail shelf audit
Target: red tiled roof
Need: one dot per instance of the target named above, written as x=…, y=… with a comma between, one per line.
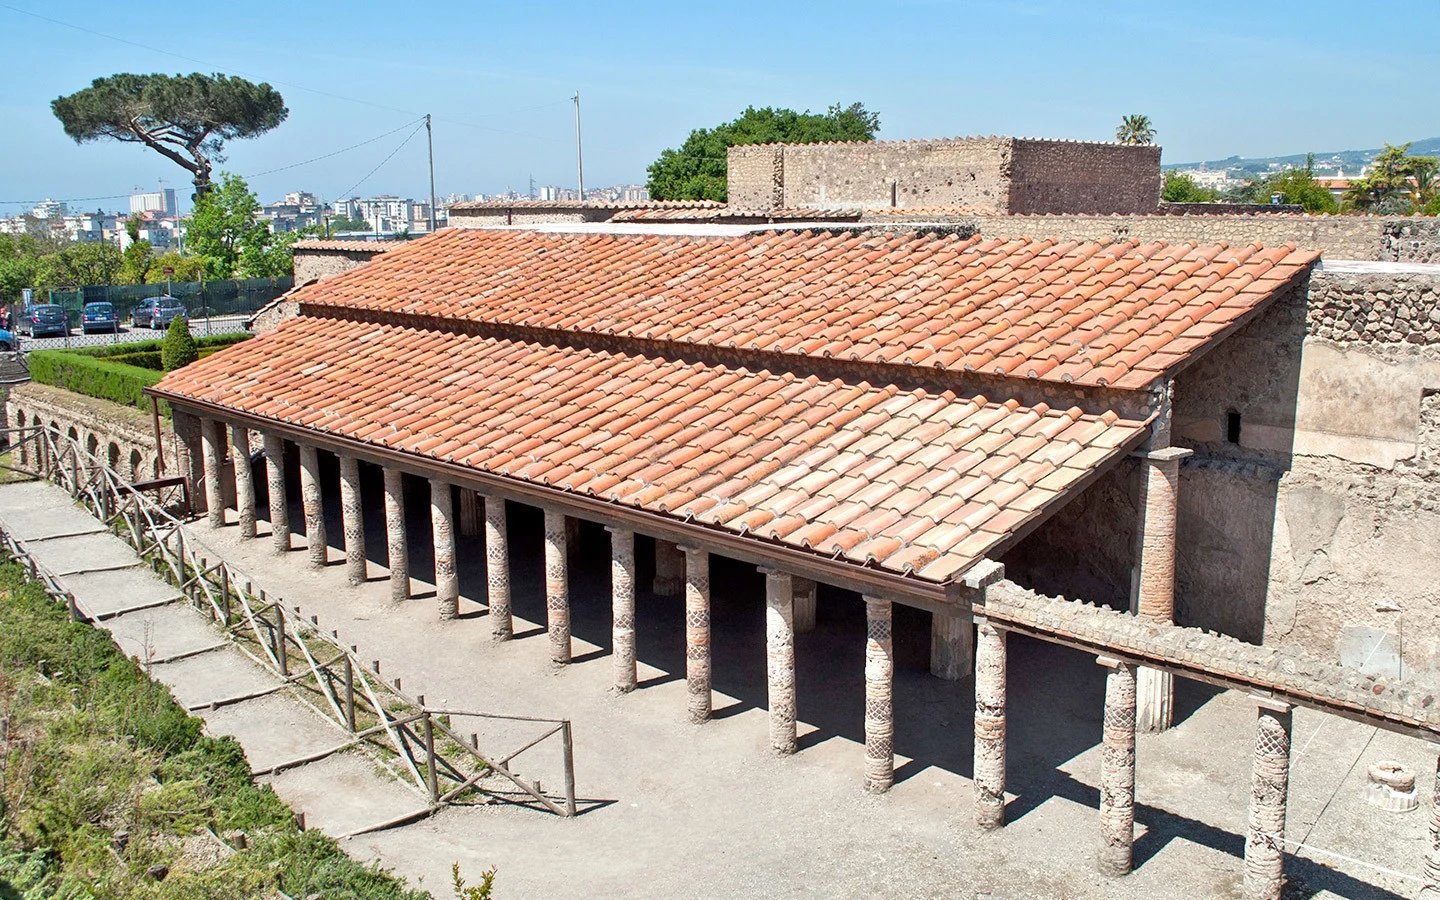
x=911, y=482
x=351, y=246
x=1118, y=314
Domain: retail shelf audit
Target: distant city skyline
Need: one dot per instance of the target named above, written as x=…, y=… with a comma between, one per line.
x=1214, y=84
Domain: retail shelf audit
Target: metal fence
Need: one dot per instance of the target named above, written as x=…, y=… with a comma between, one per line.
x=425, y=746
x=201, y=299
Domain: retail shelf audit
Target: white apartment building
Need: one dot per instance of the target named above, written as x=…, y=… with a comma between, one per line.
x=161, y=201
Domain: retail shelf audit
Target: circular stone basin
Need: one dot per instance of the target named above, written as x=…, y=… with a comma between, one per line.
x=1391, y=786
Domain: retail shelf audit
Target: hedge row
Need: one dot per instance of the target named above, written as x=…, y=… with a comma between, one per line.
x=91, y=373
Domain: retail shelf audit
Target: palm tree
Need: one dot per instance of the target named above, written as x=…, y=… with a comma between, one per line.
x=1135, y=130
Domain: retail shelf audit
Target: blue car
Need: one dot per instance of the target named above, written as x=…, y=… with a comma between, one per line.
x=41, y=319
x=98, y=317
x=7, y=341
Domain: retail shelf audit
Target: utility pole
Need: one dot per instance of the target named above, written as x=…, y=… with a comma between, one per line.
x=579, y=158
x=430, y=142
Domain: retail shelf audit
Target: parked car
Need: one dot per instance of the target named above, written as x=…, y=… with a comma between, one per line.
x=99, y=317
x=7, y=341
x=157, y=312
x=42, y=319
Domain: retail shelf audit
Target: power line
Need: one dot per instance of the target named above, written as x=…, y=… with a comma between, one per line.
x=345, y=193
x=335, y=153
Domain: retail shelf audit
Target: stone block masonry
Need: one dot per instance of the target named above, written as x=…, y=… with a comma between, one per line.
x=1008, y=175
x=121, y=435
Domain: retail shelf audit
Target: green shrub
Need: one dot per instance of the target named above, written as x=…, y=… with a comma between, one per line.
x=178, y=349
x=214, y=341
x=101, y=378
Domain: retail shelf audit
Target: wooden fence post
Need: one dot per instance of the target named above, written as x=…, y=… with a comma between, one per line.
x=569, y=749
x=430, y=777
x=349, y=694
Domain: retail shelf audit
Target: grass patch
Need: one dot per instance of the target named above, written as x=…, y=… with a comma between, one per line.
x=104, y=779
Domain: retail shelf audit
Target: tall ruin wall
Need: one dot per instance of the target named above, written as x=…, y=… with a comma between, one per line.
x=1004, y=174
x=121, y=435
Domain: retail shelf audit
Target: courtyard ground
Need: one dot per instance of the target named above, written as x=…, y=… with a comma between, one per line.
x=671, y=809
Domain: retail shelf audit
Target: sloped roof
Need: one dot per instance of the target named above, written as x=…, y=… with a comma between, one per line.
x=908, y=481
x=681, y=376
x=349, y=246
x=1108, y=314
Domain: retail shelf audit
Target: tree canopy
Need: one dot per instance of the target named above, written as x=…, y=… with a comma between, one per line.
x=1296, y=186
x=1396, y=183
x=1182, y=188
x=226, y=233
x=1135, y=129
x=696, y=171
x=185, y=118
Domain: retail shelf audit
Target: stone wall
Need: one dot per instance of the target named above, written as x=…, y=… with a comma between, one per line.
x=1341, y=237
x=1411, y=240
x=311, y=264
x=478, y=215
x=121, y=435
x=999, y=173
x=1317, y=523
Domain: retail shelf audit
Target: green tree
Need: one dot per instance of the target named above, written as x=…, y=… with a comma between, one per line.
x=135, y=259
x=226, y=233
x=79, y=264
x=1182, y=188
x=19, y=260
x=187, y=268
x=696, y=171
x=178, y=348
x=185, y=118
x=1395, y=183
x=337, y=224
x=1135, y=129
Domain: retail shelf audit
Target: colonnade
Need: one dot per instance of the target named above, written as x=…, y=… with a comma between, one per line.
x=960, y=643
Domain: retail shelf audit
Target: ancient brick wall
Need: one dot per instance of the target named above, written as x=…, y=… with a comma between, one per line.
x=528, y=214
x=1082, y=177
x=1411, y=240
x=1341, y=237
x=999, y=173
x=312, y=264
x=122, y=436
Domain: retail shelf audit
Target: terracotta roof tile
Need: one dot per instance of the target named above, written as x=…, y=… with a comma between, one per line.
x=834, y=487
x=1116, y=314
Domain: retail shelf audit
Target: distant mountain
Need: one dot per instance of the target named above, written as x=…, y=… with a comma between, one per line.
x=1346, y=159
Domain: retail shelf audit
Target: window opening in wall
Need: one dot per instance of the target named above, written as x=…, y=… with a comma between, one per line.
x=1232, y=426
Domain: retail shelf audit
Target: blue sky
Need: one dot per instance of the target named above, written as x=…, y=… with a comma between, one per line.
x=1219, y=78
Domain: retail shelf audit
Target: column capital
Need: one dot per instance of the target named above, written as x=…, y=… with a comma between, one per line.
x=689, y=549
x=1164, y=454
x=770, y=572
x=616, y=529
x=1270, y=703
x=1110, y=662
x=982, y=574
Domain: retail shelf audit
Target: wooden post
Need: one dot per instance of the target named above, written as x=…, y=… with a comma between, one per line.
x=281, y=652
x=430, y=777
x=349, y=694
x=568, y=745
x=225, y=595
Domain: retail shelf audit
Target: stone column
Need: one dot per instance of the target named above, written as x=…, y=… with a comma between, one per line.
x=212, y=437
x=395, y=539
x=244, y=479
x=1117, y=770
x=1431, y=888
x=879, y=696
x=780, y=659
x=989, y=724
x=352, y=514
x=316, y=541
x=1269, y=783
x=697, y=632
x=497, y=570
x=669, y=569
x=442, y=526
x=188, y=429
x=557, y=586
x=622, y=605
x=952, y=645
x=279, y=507
x=469, y=513
x=803, y=590
x=1155, y=582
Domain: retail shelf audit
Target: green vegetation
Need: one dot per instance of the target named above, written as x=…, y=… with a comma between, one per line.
x=1297, y=186
x=185, y=118
x=697, y=170
x=1181, y=188
x=227, y=235
x=1397, y=184
x=336, y=224
x=118, y=373
x=178, y=349
x=106, y=783
x=1135, y=129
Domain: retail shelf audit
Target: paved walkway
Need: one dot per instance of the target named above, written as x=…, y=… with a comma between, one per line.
x=675, y=810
